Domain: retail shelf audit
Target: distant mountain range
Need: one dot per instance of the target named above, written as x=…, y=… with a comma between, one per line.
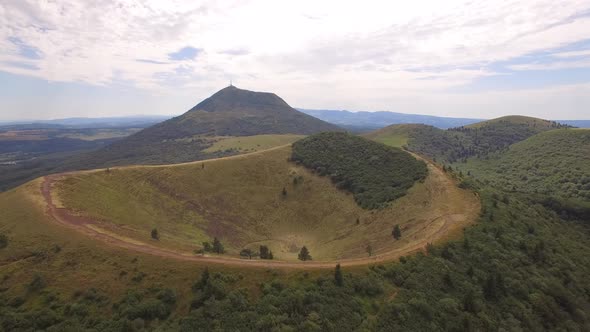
x=367, y=121
x=354, y=121
x=139, y=121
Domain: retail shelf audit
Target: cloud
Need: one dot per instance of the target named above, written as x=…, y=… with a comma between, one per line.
x=553, y=65
x=235, y=51
x=155, y=62
x=572, y=54
x=374, y=50
x=21, y=65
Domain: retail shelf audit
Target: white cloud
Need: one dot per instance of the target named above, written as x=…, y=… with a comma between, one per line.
x=558, y=65
x=572, y=54
x=372, y=50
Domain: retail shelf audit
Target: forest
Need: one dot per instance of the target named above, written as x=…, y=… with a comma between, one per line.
x=374, y=173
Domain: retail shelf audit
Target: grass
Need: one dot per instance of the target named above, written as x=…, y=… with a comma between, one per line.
x=251, y=143
x=69, y=263
x=397, y=141
x=97, y=134
x=396, y=135
x=240, y=200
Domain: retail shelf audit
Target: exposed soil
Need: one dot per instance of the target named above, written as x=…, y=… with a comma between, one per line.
x=92, y=228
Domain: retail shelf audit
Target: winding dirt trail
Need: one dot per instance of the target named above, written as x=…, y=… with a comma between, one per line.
x=88, y=227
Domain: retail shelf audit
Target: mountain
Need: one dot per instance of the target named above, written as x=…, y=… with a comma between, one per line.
x=367, y=121
x=363, y=121
x=229, y=112
x=460, y=143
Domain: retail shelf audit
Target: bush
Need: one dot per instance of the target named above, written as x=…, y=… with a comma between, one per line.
x=3, y=241
x=37, y=283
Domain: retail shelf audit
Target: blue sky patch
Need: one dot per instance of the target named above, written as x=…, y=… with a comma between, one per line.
x=26, y=50
x=185, y=53
x=540, y=69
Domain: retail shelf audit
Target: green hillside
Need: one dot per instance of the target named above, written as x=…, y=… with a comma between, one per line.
x=374, y=173
x=263, y=198
x=555, y=163
x=521, y=267
x=458, y=144
x=229, y=112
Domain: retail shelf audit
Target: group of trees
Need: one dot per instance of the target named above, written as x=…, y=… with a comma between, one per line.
x=216, y=247
x=374, y=173
x=459, y=144
x=525, y=269
x=264, y=253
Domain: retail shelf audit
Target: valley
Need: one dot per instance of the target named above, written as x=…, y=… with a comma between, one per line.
x=238, y=199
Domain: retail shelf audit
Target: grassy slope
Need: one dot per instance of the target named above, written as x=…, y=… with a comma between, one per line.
x=251, y=143
x=527, y=121
x=80, y=263
x=555, y=162
x=240, y=200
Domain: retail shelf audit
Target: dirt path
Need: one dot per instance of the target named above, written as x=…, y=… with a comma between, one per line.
x=88, y=227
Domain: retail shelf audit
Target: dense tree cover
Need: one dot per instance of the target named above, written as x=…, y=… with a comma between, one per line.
x=521, y=267
x=555, y=163
x=374, y=173
x=458, y=144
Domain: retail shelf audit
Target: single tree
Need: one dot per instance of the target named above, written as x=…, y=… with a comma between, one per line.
x=217, y=246
x=284, y=191
x=369, y=250
x=155, y=234
x=358, y=221
x=396, y=232
x=338, y=279
x=3, y=241
x=204, y=281
x=304, y=254
x=264, y=252
x=246, y=253
x=206, y=246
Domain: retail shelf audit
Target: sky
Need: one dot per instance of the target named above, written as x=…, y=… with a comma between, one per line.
x=478, y=59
